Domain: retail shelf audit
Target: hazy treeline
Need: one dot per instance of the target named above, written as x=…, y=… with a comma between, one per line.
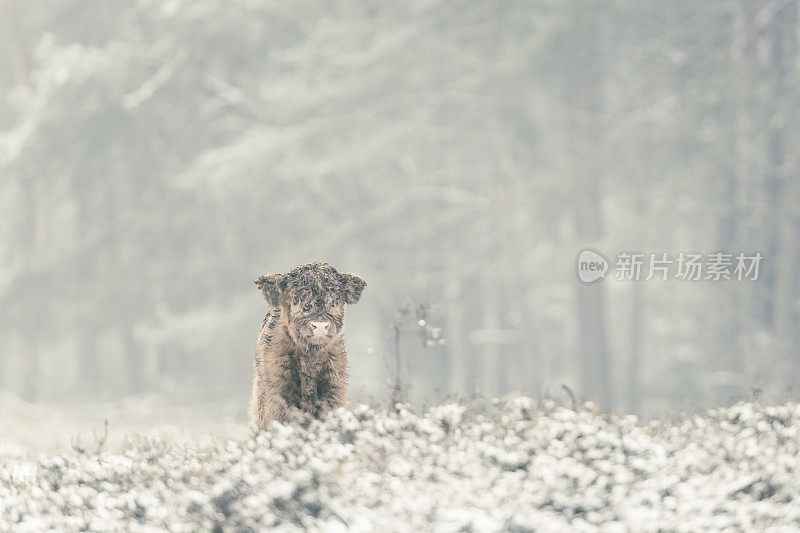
x=156, y=157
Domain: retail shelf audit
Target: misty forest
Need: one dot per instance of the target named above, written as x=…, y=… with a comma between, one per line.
x=157, y=157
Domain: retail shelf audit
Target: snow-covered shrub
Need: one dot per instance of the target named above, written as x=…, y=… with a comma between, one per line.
x=512, y=466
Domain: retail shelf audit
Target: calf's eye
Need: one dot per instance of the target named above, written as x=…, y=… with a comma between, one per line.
x=296, y=300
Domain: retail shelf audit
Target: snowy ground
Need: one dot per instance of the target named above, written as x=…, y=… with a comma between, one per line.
x=482, y=466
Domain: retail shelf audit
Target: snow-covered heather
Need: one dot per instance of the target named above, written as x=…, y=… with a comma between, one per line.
x=484, y=466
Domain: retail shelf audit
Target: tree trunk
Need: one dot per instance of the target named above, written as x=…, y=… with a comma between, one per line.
x=783, y=189
x=583, y=88
x=88, y=363
x=33, y=370
x=134, y=359
x=455, y=331
x=496, y=358
x=515, y=239
x=19, y=66
x=593, y=346
x=595, y=360
x=635, y=360
x=726, y=346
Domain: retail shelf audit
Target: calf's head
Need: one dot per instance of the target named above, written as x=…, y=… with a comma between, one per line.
x=312, y=298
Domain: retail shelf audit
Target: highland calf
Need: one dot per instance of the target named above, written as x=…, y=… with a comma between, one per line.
x=301, y=363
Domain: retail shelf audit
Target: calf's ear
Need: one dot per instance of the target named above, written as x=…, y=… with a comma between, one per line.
x=353, y=286
x=272, y=286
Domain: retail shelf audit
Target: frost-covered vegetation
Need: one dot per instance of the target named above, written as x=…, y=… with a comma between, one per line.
x=482, y=466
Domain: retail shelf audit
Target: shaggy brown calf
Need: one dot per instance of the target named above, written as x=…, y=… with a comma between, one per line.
x=301, y=363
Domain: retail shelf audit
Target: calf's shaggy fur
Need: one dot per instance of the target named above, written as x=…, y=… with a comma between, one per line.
x=300, y=362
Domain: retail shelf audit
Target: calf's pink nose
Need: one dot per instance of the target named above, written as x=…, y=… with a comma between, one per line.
x=319, y=328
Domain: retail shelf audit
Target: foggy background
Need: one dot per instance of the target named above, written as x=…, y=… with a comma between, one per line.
x=156, y=157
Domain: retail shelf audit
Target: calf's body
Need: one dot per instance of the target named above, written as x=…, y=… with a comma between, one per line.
x=300, y=361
